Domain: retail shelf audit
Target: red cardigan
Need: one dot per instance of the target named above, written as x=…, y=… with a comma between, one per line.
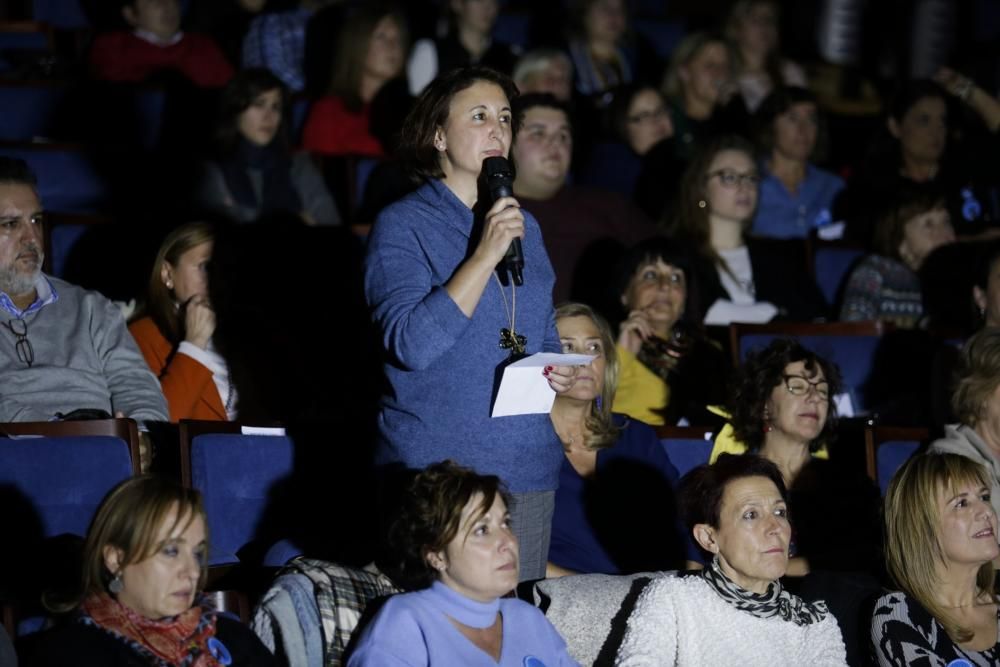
x=125, y=58
x=191, y=393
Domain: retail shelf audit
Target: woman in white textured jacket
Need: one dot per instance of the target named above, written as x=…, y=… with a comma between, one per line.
x=734, y=612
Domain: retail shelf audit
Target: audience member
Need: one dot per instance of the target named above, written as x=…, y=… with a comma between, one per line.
x=602, y=58
x=277, y=41
x=432, y=284
x=578, y=222
x=796, y=196
x=940, y=543
x=468, y=41
x=986, y=287
x=254, y=172
x=370, y=52
x=885, y=285
x=735, y=610
x=915, y=150
x=157, y=44
x=698, y=86
x=642, y=121
x=669, y=370
x=752, y=30
x=68, y=348
x=740, y=279
x=976, y=405
x=782, y=407
x=175, y=328
x=613, y=465
x=452, y=545
x=139, y=600
x=545, y=71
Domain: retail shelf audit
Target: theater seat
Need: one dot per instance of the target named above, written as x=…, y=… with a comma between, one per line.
x=687, y=446
x=887, y=448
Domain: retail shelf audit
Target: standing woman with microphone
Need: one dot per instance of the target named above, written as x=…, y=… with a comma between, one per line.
x=450, y=320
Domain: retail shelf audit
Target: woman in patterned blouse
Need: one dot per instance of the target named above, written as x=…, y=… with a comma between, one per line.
x=941, y=540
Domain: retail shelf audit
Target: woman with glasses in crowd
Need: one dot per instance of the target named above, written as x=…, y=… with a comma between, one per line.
x=740, y=280
x=782, y=407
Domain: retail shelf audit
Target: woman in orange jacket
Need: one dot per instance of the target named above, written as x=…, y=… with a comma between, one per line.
x=174, y=330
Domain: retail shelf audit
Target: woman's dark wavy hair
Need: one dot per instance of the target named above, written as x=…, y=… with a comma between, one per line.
x=241, y=91
x=670, y=252
x=429, y=516
x=416, y=150
x=700, y=491
x=764, y=370
x=780, y=100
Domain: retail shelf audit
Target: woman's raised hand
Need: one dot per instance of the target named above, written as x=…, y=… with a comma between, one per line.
x=199, y=321
x=635, y=329
x=504, y=222
x=561, y=378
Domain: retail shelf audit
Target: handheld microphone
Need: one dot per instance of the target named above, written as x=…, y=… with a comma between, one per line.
x=500, y=183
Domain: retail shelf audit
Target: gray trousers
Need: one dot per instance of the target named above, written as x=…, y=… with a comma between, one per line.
x=531, y=516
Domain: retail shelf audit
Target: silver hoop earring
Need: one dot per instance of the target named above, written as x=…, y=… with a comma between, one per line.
x=702, y=203
x=116, y=585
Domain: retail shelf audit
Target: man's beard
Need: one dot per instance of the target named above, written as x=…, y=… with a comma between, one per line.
x=15, y=283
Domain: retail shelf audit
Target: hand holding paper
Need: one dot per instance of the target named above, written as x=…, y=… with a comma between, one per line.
x=525, y=390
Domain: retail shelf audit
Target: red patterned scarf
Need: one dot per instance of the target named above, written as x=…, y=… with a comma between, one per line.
x=181, y=640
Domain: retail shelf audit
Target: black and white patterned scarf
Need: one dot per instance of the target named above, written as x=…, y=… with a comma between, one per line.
x=775, y=602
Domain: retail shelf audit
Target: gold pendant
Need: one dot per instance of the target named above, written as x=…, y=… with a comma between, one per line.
x=514, y=342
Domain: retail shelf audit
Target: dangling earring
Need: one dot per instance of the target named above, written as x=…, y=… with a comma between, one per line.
x=170, y=284
x=597, y=403
x=766, y=428
x=702, y=203
x=116, y=585
x=982, y=313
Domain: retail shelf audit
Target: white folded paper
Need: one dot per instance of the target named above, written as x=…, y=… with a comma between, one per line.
x=524, y=390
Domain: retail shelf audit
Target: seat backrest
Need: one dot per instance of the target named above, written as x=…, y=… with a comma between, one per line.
x=61, y=14
x=68, y=178
x=28, y=109
x=236, y=474
x=687, y=447
x=887, y=448
x=852, y=346
x=831, y=264
x=63, y=478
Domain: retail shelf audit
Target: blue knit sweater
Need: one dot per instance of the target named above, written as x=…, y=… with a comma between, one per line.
x=442, y=367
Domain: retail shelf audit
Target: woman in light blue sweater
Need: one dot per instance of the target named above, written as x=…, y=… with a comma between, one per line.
x=452, y=541
x=449, y=322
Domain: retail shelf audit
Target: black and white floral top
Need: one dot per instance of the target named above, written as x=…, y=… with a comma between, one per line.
x=904, y=634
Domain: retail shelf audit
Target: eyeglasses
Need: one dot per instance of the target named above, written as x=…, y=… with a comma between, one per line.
x=646, y=116
x=800, y=386
x=732, y=179
x=25, y=353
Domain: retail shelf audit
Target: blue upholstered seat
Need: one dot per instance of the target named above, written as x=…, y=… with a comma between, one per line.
x=687, y=453
x=64, y=478
x=831, y=265
x=889, y=457
x=236, y=474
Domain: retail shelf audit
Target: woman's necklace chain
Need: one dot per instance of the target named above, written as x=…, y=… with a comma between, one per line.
x=509, y=338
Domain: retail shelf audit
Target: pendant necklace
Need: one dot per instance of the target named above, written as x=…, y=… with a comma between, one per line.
x=509, y=338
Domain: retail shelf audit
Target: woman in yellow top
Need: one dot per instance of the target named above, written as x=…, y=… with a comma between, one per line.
x=669, y=370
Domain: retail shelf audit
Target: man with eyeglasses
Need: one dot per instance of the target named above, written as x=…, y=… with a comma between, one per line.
x=62, y=348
